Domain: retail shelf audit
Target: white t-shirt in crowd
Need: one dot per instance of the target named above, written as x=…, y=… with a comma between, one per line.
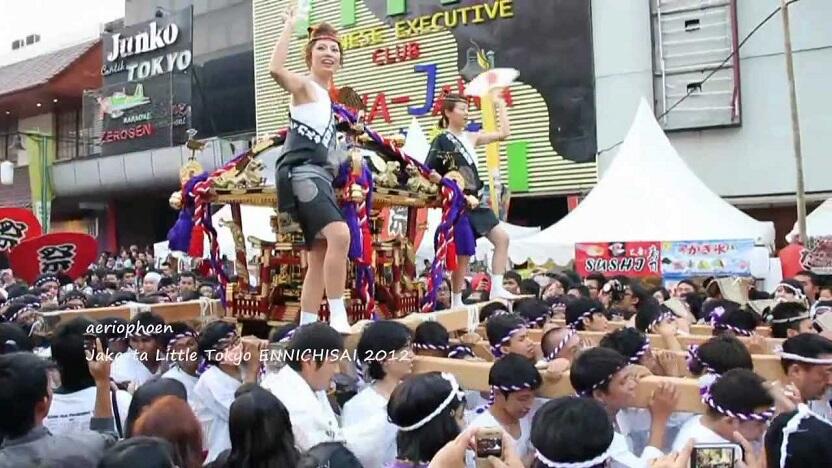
x=188, y=380
x=71, y=412
x=522, y=444
x=367, y=408
x=622, y=454
x=126, y=367
x=694, y=429
x=212, y=398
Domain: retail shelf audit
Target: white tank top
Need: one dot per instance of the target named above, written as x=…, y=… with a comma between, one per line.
x=316, y=114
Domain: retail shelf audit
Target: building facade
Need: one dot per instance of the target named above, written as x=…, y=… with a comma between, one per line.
x=748, y=161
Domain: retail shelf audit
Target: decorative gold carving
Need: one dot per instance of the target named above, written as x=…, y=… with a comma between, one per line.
x=418, y=184
x=250, y=175
x=390, y=177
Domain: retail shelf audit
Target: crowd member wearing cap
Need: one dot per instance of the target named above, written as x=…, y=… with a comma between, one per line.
x=143, y=361
x=586, y=314
x=429, y=411
x=74, y=300
x=513, y=381
x=25, y=398
x=789, y=319
x=230, y=362
x=798, y=439
x=568, y=432
x=738, y=402
x=49, y=284
x=182, y=356
x=605, y=375
x=150, y=283
x=509, y=333
x=806, y=360
x=74, y=401
x=312, y=360
x=385, y=354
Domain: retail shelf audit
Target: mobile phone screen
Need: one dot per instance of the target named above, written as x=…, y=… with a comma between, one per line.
x=714, y=456
x=489, y=446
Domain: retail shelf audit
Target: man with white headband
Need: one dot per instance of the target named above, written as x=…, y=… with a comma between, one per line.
x=799, y=439
x=807, y=364
x=790, y=319
x=571, y=432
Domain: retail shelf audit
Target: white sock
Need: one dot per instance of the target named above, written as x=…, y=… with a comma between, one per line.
x=308, y=317
x=496, y=283
x=338, y=315
x=456, y=300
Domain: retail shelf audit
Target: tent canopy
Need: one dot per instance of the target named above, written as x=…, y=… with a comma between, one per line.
x=818, y=222
x=647, y=194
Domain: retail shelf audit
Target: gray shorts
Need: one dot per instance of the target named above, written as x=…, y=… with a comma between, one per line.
x=316, y=206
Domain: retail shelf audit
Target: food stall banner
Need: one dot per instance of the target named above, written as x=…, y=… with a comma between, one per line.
x=618, y=258
x=687, y=259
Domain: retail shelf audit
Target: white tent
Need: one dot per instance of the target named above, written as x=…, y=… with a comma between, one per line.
x=484, y=247
x=647, y=194
x=818, y=222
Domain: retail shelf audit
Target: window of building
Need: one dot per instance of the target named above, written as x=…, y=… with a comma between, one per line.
x=8, y=131
x=691, y=39
x=68, y=143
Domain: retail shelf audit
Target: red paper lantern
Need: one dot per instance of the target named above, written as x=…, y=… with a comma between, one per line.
x=68, y=252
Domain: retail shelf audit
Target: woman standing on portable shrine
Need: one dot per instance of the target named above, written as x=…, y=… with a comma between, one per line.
x=453, y=153
x=307, y=168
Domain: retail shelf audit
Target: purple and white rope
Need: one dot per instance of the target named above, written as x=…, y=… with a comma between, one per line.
x=764, y=416
x=635, y=358
x=429, y=347
x=737, y=330
x=693, y=355
x=460, y=352
x=561, y=345
x=585, y=315
x=179, y=336
x=493, y=395
x=604, y=381
x=31, y=307
x=659, y=319
x=495, y=349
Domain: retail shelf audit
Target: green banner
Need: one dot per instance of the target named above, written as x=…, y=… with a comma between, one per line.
x=518, y=166
x=41, y=152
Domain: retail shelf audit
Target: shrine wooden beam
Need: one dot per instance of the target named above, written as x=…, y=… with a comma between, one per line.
x=171, y=312
x=695, y=329
x=473, y=375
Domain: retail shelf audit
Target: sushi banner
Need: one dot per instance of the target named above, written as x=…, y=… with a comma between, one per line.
x=618, y=258
x=686, y=259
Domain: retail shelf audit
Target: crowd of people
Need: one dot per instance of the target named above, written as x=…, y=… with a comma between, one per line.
x=174, y=394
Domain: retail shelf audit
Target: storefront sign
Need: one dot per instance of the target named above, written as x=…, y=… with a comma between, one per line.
x=816, y=255
x=618, y=258
x=397, y=54
x=688, y=259
x=448, y=19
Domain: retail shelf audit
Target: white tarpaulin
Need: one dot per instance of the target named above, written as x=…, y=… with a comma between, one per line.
x=484, y=247
x=647, y=194
x=818, y=222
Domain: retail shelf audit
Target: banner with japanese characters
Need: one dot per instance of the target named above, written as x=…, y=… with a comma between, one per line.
x=618, y=258
x=69, y=253
x=816, y=255
x=16, y=226
x=687, y=259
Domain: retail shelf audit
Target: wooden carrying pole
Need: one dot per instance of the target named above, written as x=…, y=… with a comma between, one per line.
x=798, y=153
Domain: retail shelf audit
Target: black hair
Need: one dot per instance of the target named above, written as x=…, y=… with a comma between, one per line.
x=141, y=452
x=594, y=368
x=211, y=334
x=73, y=295
x=787, y=311
x=281, y=332
x=68, y=353
x=114, y=328
x=639, y=292
x=316, y=338
x=489, y=309
x=431, y=334
x=710, y=307
x=597, y=276
x=647, y=313
x=16, y=290
x=739, y=391
x=13, y=339
x=333, y=454
x=661, y=289
x=627, y=341
x=576, y=309
x=412, y=401
x=809, y=345
x=721, y=354
x=381, y=338
x=755, y=294
x=260, y=431
x=689, y=283
x=119, y=298
x=179, y=328
x=534, y=311
x=570, y=430
x=529, y=286
x=739, y=318
x=149, y=392
x=164, y=282
x=23, y=384
x=583, y=291
x=808, y=444
x=189, y=296
x=151, y=321
x=513, y=275
x=695, y=300
x=499, y=327
x=514, y=371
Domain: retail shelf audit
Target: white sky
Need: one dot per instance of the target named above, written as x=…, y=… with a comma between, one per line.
x=59, y=22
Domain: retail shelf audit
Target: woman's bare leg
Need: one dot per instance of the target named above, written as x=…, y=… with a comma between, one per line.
x=458, y=279
x=499, y=262
x=313, y=285
x=337, y=236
